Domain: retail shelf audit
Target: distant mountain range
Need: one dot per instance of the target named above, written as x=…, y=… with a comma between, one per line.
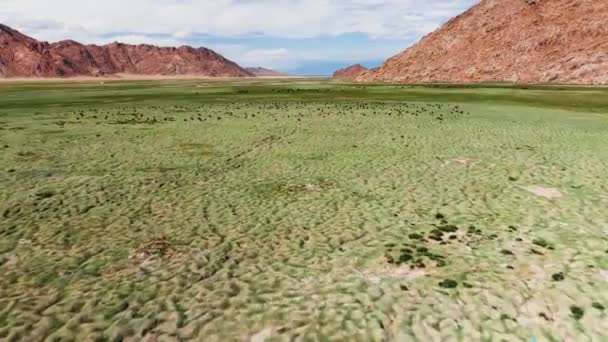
x=263, y=72
x=23, y=56
x=528, y=41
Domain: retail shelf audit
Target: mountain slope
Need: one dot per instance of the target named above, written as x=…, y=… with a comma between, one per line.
x=529, y=41
x=263, y=72
x=350, y=72
x=23, y=56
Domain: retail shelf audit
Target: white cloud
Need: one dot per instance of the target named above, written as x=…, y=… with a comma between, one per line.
x=280, y=59
x=181, y=18
x=178, y=22
x=182, y=34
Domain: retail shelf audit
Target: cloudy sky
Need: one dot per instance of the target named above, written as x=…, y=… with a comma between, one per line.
x=300, y=36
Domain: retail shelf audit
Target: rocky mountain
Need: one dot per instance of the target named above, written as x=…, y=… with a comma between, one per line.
x=23, y=56
x=263, y=72
x=350, y=72
x=528, y=41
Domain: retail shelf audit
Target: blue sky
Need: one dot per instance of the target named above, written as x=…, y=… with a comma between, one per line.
x=298, y=36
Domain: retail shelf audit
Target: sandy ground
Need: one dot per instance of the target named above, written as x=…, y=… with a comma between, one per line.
x=131, y=77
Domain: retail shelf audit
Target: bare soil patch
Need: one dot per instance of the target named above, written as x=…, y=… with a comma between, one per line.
x=543, y=191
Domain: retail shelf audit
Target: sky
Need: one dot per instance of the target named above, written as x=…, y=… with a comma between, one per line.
x=312, y=37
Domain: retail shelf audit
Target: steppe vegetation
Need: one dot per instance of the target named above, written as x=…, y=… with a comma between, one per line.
x=304, y=210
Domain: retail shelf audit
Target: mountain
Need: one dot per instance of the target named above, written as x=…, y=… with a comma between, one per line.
x=262, y=72
x=350, y=72
x=528, y=41
x=23, y=56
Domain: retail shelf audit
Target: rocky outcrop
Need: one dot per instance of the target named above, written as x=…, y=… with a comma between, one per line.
x=350, y=72
x=528, y=41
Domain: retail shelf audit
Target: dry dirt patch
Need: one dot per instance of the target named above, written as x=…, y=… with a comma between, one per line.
x=543, y=191
x=307, y=187
x=604, y=275
x=155, y=247
x=262, y=335
x=395, y=273
x=460, y=161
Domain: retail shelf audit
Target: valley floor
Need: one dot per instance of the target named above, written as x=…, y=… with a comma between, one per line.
x=302, y=210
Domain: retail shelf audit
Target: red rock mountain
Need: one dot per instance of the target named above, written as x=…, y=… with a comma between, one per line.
x=350, y=72
x=263, y=72
x=23, y=56
x=529, y=41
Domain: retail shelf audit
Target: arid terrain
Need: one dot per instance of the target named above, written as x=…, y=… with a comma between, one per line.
x=305, y=210
x=525, y=41
x=23, y=56
x=350, y=72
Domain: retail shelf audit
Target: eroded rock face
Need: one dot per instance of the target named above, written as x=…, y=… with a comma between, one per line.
x=529, y=41
x=23, y=56
x=350, y=72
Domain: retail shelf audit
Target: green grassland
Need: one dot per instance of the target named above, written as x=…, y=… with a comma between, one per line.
x=305, y=210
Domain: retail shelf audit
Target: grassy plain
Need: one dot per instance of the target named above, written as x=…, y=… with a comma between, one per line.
x=302, y=210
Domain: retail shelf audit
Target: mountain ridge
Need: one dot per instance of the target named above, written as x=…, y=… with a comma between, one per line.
x=24, y=56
